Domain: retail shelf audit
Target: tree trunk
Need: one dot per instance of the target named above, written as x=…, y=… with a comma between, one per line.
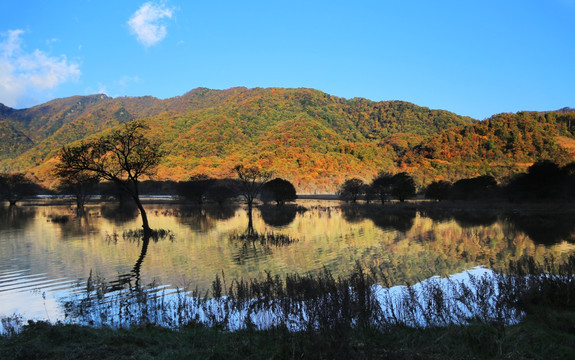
x=138, y=265
x=145, y=224
x=250, y=230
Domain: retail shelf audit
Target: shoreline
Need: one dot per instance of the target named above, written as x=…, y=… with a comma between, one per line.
x=491, y=206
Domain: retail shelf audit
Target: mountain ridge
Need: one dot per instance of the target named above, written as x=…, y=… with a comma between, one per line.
x=312, y=138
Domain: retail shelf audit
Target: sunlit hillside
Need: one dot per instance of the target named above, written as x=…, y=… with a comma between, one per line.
x=311, y=138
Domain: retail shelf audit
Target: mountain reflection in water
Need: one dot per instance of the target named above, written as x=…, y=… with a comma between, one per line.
x=43, y=257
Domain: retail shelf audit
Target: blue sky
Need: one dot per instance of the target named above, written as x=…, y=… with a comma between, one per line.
x=475, y=58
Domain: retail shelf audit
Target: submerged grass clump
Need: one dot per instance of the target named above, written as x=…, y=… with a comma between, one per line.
x=264, y=239
x=156, y=235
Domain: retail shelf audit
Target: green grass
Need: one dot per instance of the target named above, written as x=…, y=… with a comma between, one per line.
x=546, y=334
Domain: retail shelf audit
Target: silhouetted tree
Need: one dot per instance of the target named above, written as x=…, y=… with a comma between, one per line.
x=196, y=188
x=403, y=186
x=480, y=187
x=543, y=181
x=222, y=191
x=122, y=157
x=110, y=191
x=546, y=180
x=368, y=193
x=351, y=190
x=278, y=190
x=251, y=181
x=382, y=185
x=81, y=185
x=16, y=187
x=438, y=190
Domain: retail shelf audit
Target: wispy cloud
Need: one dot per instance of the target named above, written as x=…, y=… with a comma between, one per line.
x=126, y=81
x=25, y=76
x=146, y=23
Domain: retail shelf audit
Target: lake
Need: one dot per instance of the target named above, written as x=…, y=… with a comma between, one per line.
x=47, y=253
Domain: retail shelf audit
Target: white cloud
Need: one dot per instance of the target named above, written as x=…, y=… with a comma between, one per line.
x=24, y=77
x=102, y=89
x=125, y=81
x=146, y=23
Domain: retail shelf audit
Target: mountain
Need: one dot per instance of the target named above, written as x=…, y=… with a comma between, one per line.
x=500, y=145
x=311, y=138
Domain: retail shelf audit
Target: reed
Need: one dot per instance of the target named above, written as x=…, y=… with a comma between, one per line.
x=524, y=312
x=323, y=302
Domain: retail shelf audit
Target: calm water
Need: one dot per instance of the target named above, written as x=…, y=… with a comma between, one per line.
x=47, y=253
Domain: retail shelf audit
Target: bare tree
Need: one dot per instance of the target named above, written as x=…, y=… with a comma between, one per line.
x=122, y=157
x=251, y=181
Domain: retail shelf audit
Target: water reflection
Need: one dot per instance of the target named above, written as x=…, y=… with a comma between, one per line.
x=384, y=218
x=412, y=245
x=79, y=224
x=204, y=218
x=132, y=278
x=119, y=213
x=400, y=221
x=221, y=212
x=279, y=216
x=464, y=218
x=248, y=251
x=469, y=219
x=195, y=218
x=547, y=229
x=16, y=217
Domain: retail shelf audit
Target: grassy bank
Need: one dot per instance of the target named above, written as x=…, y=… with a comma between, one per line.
x=546, y=333
x=336, y=317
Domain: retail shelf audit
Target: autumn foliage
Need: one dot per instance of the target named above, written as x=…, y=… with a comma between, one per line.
x=312, y=139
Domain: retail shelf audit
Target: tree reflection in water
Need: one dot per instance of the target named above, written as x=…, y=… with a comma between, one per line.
x=469, y=219
x=546, y=229
x=280, y=216
x=132, y=278
x=81, y=224
x=253, y=245
x=204, y=218
x=195, y=218
x=16, y=217
x=384, y=218
x=119, y=214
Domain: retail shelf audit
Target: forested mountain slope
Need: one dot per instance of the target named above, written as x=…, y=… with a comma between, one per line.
x=309, y=137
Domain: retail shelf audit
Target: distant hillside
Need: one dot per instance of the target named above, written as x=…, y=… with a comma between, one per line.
x=499, y=146
x=309, y=137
